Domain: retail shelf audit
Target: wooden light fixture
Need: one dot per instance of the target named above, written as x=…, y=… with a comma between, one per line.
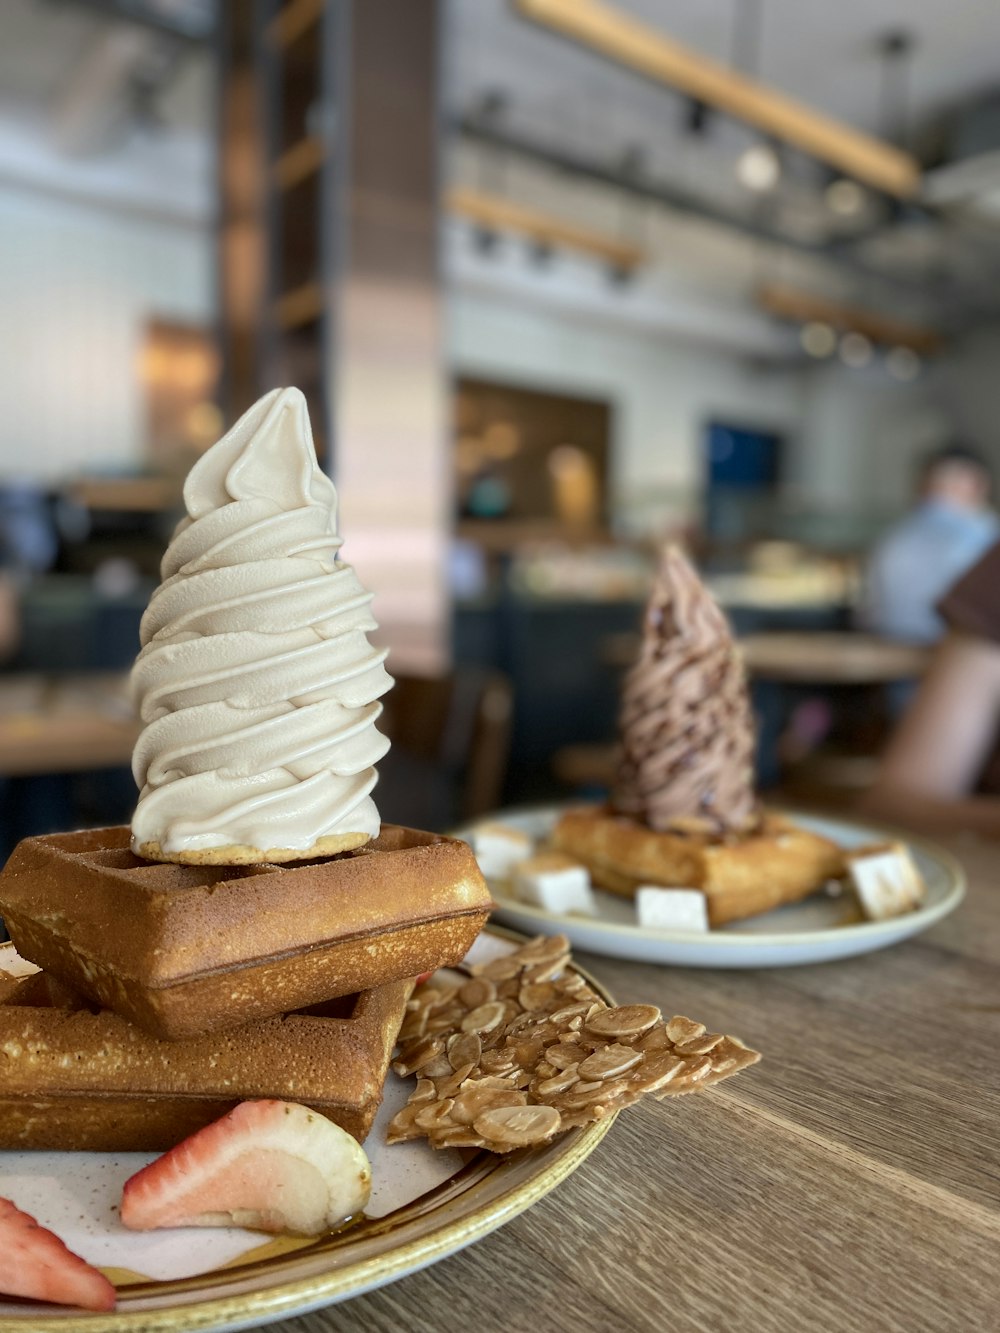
x=801, y=307
x=651, y=53
x=497, y=213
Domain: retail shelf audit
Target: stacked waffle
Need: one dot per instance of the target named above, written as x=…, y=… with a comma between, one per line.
x=256, y=932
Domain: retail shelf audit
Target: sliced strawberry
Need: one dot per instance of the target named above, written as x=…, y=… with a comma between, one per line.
x=34, y=1262
x=269, y=1165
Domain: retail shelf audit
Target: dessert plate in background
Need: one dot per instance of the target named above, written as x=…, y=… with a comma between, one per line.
x=425, y=1205
x=820, y=929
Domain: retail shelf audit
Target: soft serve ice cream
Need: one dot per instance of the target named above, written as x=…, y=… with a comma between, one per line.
x=256, y=681
x=687, y=731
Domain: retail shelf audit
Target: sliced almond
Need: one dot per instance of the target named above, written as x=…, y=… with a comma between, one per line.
x=459, y=1136
x=544, y=949
x=434, y=1116
x=480, y=990
x=403, y=1125
x=499, y=969
x=567, y=1013
x=699, y=1045
x=485, y=1018
x=425, y=1091
x=683, y=1029
x=537, y=995
x=656, y=1071
x=655, y=1039
x=439, y=1067
x=518, y=1126
x=497, y=1062
x=471, y=1104
x=559, y=1082
x=416, y=1056
x=564, y=1054
x=609, y=1062
x=624, y=1021
x=464, y=1048
x=448, y=1087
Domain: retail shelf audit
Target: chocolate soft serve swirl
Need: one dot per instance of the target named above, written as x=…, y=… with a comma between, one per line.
x=256, y=681
x=686, y=725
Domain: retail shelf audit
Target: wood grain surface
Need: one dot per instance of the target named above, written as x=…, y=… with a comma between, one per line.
x=850, y=1182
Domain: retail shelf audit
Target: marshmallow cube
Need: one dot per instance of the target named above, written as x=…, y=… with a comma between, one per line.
x=498, y=849
x=886, y=881
x=671, y=909
x=556, y=883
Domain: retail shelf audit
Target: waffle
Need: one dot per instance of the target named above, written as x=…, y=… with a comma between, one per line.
x=740, y=877
x=185, y=950
x=76, y=1079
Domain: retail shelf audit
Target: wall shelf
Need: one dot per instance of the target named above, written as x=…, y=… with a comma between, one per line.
x=293, y=20
x=297, y=163
x=299, y=307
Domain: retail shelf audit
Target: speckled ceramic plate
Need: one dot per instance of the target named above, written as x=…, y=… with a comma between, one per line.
x=425, y=1205
x=820, y=929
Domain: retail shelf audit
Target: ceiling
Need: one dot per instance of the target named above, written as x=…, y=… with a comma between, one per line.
x=524, y=95
x=822, y=53
x=550, y=123
x=49, y=45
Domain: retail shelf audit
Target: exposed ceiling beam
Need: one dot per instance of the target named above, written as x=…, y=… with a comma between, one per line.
x=565, y=163
x=190, y=21
x=801, y=307
x=501, y=214
x=653, y=54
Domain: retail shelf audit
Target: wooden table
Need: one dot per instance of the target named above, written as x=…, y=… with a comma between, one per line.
x=845, y=657
x=850, y=1183
x=64, y=724
x=807, y=657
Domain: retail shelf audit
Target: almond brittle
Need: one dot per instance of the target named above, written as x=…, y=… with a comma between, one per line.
x=526, y=1049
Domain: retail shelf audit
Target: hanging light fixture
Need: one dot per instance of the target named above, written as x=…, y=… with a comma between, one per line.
x=818, y=339
x=856, y=350
x=902, y=363
x=845, y=198
x=758, y=167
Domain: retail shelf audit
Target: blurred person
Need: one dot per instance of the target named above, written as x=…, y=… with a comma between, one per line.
x=919, y=558
x=941, y=769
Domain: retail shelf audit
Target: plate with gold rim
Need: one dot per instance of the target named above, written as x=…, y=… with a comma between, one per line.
x=425, y=1205
x=822, y=928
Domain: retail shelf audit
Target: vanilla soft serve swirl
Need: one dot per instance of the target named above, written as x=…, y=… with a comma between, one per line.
x=256, y=681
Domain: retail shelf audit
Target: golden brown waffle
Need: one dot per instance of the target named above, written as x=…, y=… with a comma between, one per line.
x=184, y=950
x=739, y=876
x=76, y=1079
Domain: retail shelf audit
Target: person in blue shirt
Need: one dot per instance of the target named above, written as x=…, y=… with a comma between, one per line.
x=919, y=558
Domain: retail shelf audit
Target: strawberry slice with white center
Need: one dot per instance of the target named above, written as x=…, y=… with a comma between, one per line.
x=34, y=1262
x=267, y=1165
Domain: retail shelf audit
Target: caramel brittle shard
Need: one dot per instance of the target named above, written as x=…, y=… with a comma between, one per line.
x=526, y=1049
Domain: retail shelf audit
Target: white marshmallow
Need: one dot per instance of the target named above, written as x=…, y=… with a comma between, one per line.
x=671, y=909
x=556, y=883
x=886, y=881
x=499, y=848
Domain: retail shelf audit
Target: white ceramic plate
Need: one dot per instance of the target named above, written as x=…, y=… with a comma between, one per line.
x=815, y=931
x=425, y=1205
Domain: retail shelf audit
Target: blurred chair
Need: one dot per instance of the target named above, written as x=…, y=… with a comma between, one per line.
x=450, y=741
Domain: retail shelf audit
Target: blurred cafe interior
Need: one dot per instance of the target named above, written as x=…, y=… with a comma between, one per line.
x=561, y=283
